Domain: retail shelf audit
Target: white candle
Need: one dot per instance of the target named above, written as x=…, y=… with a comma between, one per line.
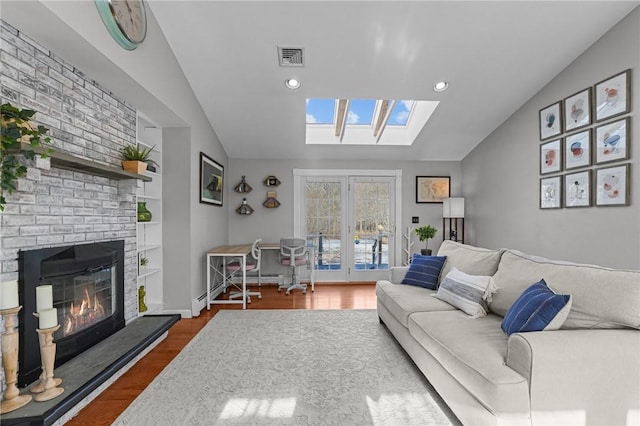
x=44, y=297
x=9, y=295
x=48, y=318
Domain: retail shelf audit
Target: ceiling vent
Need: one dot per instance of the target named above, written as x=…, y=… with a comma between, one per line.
x=291, y=56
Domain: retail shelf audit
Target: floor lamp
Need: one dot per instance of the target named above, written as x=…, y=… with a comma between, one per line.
x=453, y=212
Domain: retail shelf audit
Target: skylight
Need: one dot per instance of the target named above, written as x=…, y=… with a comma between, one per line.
x=366, y=121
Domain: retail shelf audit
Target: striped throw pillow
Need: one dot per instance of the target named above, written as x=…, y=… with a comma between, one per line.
x=424, y=271
x=469, y=293
x=538, y=308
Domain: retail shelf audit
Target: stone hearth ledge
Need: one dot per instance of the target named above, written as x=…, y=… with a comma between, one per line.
x=87, y=375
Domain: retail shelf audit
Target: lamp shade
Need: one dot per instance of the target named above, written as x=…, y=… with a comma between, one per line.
x=453, y=207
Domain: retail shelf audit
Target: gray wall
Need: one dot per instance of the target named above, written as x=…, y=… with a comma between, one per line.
x=501, y=176
x=273, y=224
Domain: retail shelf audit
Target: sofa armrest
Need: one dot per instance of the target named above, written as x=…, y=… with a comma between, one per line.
x=397, y=273
x=579, y=376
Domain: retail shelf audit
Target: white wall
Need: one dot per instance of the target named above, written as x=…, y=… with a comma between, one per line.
x=273, y=224
x=150, y=79
x=501, y=176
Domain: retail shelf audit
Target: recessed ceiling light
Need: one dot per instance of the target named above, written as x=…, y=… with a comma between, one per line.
x=441, y=86
x=292, y=83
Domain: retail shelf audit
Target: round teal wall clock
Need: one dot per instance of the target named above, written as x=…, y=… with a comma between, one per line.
x=125, y=20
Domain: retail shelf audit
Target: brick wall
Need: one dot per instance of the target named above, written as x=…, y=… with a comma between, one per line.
x=55, y=207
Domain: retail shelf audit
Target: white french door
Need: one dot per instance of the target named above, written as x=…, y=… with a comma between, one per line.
x=350, y=217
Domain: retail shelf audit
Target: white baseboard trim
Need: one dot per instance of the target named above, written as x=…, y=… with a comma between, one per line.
x=184, y=313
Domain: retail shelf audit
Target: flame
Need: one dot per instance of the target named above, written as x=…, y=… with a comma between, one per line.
x=88, y=313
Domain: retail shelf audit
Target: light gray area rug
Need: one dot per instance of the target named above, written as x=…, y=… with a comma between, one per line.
x=294, y=367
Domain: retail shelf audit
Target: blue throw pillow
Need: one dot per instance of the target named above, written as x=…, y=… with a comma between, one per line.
x=424, y=271
x=538, y=308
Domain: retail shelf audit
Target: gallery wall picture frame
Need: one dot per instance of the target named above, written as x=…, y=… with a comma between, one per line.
x=551, y=157
x=577, y=189
x=612, y=185
x=211, y=181
x=551, y=192
x=613, y=96
x=550, y=121
x=432, y=189
x=577, y=150
x=577, y=110
x=612, y=141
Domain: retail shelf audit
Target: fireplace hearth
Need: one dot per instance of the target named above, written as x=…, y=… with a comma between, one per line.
x=88, y=291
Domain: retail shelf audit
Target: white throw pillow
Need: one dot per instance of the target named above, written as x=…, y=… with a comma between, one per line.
x=469, y=293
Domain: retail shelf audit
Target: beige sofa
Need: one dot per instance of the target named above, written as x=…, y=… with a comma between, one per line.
x=586, y=373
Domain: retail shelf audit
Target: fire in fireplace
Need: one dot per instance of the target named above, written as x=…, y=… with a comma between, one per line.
x=88, y=291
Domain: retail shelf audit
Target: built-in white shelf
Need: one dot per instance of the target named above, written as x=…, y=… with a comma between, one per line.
x=148, y=197
x=153, y=222
x=147, y=247
x=145, y=272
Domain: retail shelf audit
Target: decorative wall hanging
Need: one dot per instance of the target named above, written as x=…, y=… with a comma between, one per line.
x=550, y=193
x=432, y=189
x=577, y=150
x=612, y=186
x=244, y=208
x=612, y=141
x=211, y=180
x=577, y=110
x=613, y=96
x=550, y=121
x=577, y=189
x=551, y=157
x=271, y=202
x=243, y=186
x=271, y=181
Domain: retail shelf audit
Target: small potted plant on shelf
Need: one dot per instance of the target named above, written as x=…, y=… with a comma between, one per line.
x=424, y=234
x=19, y=136
x=136, y=158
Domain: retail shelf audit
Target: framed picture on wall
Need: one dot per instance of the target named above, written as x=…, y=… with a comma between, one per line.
x=612, y=186
x=577, y=110
x=550, y=121
x=577, y=149
x=551, y=157
x=613, y=96
x=432, y=189
x=211, y=180
x=551, y=192
x=577, y=189
x=612, y=141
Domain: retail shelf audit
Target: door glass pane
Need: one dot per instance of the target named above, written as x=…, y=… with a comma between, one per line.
x=323, y=222
x=371, y=225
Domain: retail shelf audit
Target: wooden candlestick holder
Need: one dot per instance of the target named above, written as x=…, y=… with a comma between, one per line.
x=39, y=386
x=48, y=355
x=11, y=399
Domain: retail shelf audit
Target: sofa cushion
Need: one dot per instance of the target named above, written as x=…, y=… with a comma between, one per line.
x=424, y=271
x=403, y=300
x=473, y=352
x=538, y=308
x=601, y=297
x=469, y=259
x=466, y=292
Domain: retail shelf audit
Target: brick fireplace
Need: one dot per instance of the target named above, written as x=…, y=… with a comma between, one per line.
x=55, y=207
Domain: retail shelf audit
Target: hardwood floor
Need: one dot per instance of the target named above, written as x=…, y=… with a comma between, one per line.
x=114, y=400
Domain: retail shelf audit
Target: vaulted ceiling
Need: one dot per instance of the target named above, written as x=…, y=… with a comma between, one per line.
x=495, y=56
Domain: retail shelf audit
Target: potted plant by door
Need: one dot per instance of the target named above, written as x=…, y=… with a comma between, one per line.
x=424, y=233
x=136, y=159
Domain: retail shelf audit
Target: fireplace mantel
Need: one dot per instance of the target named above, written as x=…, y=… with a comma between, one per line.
x=70, y=162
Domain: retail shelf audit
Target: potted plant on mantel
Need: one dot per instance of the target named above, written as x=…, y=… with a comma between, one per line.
x=17, y=129
x=424, y=233
x=136, y=159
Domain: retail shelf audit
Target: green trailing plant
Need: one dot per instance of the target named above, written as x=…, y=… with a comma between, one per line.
x=425, y=233
x=144, y=261
x=16, y=130
x=135, y=153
